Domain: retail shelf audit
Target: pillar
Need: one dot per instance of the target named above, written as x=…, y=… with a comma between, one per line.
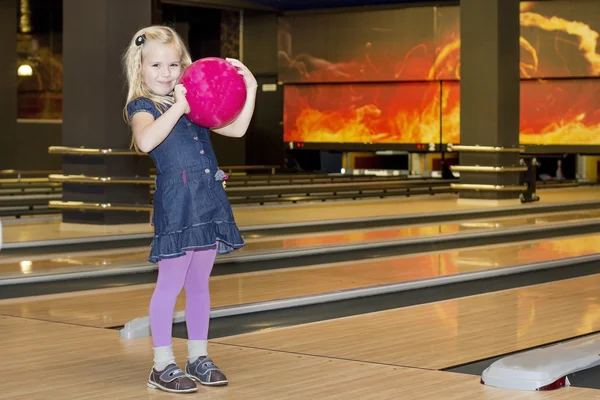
x=259, y=54
x=95, y=36
x=489, y=92
x=8, y=85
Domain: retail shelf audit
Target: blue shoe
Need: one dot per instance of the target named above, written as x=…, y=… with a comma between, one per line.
x=206, y=372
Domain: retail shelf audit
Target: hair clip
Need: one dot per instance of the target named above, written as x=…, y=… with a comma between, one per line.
x=140, y=40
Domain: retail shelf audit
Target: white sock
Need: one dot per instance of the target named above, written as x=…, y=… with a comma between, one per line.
x=196, y=349
x=163, y=356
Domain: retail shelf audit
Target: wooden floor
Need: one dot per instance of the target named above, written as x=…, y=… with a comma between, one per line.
x=260, y=216
x=104, y=260
x=99, y=365
x=116, y=306
x=386, y=355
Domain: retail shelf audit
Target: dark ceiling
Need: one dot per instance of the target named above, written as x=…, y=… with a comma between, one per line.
x=297, y=5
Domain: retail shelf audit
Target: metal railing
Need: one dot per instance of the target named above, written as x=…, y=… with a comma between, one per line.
x=83, y=151
x=487, y=149
x=100, y=179
x=481, y=168
x=495, y=188
x=80, y=205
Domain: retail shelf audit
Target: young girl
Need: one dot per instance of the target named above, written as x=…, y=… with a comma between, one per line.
x=192, y=217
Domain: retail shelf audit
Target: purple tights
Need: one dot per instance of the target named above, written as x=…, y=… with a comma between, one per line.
x=191, y=271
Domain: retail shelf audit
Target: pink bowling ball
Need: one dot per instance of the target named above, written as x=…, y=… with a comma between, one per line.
x=216, y=92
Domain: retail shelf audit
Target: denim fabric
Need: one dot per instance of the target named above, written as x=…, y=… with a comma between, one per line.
x=191, y=209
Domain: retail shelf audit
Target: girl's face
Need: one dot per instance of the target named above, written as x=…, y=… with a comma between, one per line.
x=161, y=67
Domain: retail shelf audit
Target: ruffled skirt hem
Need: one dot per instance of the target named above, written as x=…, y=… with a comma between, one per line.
x=223, y=235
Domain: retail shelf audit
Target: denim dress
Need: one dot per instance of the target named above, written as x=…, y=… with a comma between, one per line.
x=191, y=209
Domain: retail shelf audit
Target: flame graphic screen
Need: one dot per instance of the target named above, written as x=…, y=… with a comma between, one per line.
x=393, y=76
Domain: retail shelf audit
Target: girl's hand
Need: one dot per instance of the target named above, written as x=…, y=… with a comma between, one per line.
x=180, y=100
x=245, y=72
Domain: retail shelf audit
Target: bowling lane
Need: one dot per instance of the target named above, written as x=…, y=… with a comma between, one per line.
x=128, y=259
x=96, y=356
x=56, y=264
x=254, y=217
x=118, y=305
x=447, y=333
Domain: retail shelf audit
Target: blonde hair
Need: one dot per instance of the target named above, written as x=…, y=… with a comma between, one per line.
x=132, y=63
